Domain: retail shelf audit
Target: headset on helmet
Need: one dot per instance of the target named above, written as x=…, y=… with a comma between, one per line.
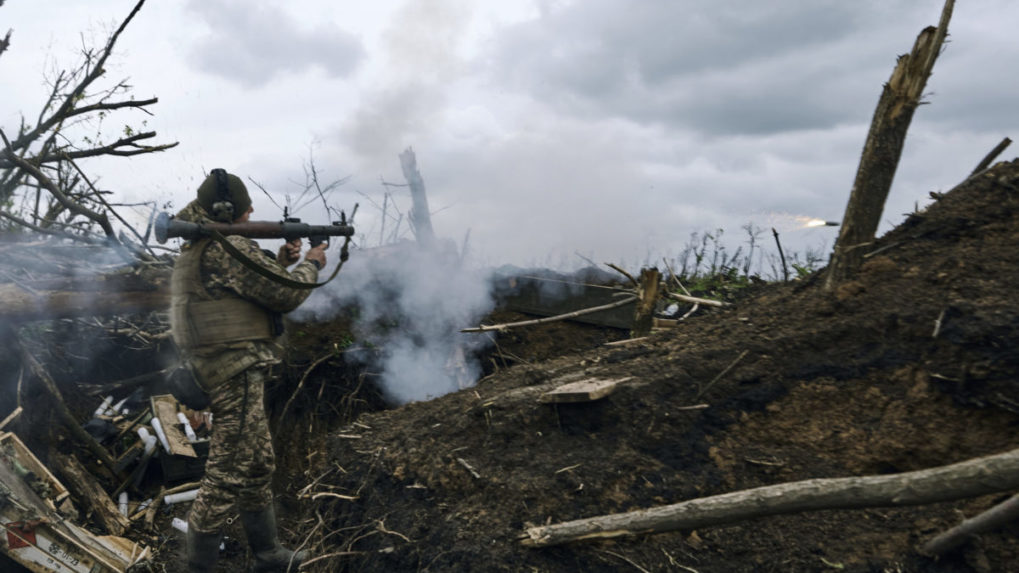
x=223, y=208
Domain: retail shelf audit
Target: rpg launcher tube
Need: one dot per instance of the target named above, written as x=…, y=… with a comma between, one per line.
x=166, y=227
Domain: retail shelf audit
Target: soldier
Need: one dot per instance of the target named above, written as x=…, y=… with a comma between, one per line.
x=226, y=319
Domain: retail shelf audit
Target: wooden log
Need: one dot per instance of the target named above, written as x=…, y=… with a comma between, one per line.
x=18, y=304
x=987, y=521
x=880, y=158
x=647, y=293
x=971, y=478
x=89, y=493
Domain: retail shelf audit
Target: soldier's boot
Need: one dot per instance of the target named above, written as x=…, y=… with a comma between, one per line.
x=203, y=550
x=270, y=556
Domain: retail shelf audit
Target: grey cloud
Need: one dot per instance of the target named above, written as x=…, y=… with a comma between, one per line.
x=252, y=43
x=965, y=96
x=728, y=67
x=421, y=54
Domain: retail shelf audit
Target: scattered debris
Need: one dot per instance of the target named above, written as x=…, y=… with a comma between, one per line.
x=582, y=391
x=38, y=535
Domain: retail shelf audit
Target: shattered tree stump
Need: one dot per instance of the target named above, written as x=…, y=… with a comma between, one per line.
x=899, y=99
x=647, y=292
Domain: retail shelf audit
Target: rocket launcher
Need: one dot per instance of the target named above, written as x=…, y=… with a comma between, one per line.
x=166, y=227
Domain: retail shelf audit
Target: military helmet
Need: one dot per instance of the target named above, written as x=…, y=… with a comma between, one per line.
x=224, y=196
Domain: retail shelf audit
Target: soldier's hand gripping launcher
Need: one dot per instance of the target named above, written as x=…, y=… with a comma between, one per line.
x=166, y=227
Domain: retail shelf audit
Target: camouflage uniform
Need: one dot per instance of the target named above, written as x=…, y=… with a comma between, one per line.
x=241, y=460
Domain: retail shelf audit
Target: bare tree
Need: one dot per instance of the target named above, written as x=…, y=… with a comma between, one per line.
x=42, y=187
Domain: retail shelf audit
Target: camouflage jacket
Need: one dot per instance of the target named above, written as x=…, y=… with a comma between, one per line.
x=223, y=276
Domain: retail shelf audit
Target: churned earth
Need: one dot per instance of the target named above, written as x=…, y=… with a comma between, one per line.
x=911, y=365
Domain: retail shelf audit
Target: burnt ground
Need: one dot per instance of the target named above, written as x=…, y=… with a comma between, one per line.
x=795, y=383
x=847, y=383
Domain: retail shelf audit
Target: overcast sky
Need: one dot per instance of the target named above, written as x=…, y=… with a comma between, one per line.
x=609, y=128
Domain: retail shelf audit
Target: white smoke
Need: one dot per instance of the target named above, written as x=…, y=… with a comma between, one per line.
x=408, y=305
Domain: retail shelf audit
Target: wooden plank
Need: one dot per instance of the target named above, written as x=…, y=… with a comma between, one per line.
x=164, y=407
x=13, y=444
x=582, y=391
x=54, y=543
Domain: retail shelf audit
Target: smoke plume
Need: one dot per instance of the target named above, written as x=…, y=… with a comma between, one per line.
x=408, y=304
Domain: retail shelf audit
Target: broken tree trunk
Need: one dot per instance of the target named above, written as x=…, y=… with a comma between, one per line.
x=72, y=425
x=1005, y=512
x=883, y=148
x=420, y=217
x=89, y=493
x=972, y=478
x=647, y=291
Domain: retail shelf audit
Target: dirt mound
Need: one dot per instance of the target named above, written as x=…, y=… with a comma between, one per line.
x=911, y=365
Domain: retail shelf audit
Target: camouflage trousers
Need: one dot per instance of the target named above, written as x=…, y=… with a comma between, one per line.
x=238, y=473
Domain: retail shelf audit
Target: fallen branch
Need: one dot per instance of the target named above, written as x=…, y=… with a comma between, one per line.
x=991, y=156
x=300, y=385
x=722, y=373
x=150, y=512
x=10, y=417
x=468, y=467
x=322, y=494
x=567, y=316
x=157, y=501
x=693, y=299
x=619, y=270
x=971, y=478
x=938, y=323
x=625, y=341
x=989, y=520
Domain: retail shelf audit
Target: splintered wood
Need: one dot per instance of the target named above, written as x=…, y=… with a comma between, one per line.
x=164, y=407
x=582, y=391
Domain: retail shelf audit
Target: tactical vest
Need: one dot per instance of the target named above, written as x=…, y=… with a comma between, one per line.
x=216, y=336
